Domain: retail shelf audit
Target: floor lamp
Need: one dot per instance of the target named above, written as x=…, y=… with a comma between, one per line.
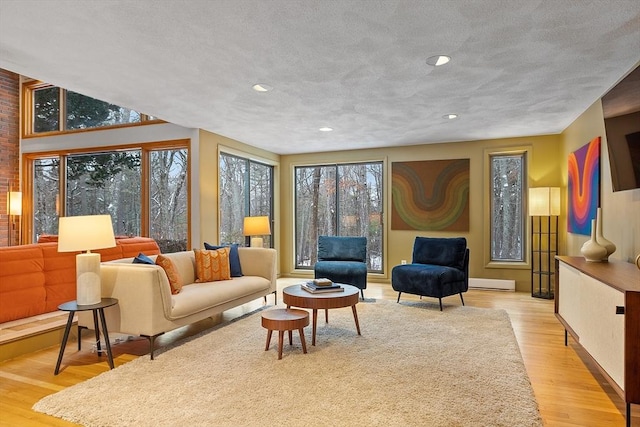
x=544, y=202
x=86, y=233
x=14, y=208
x=256, y=226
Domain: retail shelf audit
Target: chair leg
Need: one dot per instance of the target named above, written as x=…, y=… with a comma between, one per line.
x=362, y=293
x=440, y=299
x=399, y=293
x=461, y=299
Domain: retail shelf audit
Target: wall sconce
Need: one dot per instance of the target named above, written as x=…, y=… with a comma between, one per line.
x=14, y=208
x=543, y=202
x=256, y=226
x=86, y=233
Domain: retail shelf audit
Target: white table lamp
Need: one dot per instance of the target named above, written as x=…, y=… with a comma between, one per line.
x=86, y=233
x=256, y=226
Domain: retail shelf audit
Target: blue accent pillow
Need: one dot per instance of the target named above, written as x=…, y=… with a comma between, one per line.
x=234, y=257
x=143, y=259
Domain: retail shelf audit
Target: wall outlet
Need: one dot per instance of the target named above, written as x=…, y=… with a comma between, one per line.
x=403, y=262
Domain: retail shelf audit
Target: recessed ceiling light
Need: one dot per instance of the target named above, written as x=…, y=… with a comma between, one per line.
x=438, y=60
x=450, y=116
x=261, y=87
x=325, y=129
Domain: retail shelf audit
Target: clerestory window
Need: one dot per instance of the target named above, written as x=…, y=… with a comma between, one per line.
x=50, y=109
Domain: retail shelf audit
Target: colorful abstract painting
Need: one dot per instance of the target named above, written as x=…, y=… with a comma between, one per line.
x=430, y=195
x=583, y=187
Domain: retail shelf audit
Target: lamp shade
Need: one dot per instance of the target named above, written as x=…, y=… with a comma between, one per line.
x=15, y=203
x=85, y=233
x=256, y=226
x=544, y=201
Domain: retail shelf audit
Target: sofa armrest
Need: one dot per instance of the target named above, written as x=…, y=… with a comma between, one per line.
x=143, y=295
x=259, y=262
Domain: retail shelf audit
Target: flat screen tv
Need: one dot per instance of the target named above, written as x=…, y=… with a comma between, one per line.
x=621, y=107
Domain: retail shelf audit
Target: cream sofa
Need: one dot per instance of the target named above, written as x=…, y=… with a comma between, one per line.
x=147, y=308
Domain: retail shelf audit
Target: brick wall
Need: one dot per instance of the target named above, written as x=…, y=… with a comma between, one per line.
x=9, y=148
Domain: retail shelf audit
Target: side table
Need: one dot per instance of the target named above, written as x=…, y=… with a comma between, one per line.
x=98, y=310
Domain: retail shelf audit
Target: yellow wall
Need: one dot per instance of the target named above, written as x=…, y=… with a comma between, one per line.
x=620, y=210
x=544, y=170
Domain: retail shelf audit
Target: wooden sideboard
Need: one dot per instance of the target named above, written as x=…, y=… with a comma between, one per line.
x=599, y=305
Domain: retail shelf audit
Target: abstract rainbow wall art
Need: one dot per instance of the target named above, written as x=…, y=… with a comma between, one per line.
x=430, y=195
x=583, y=187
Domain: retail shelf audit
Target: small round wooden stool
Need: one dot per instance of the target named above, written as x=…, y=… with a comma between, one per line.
x=285, y=319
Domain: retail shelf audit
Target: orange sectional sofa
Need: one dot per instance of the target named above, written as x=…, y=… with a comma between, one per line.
x=36, y=278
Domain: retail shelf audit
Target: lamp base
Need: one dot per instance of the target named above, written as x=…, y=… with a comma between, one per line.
x=88, y=279
x=257, y=242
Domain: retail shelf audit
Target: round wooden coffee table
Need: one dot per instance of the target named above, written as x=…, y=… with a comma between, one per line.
x=281, y=320
x=295, y=296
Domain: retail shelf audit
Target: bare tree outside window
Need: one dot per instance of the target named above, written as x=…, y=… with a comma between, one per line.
x=46, y=188
x=339, y=200
x=168, y=210
x=507, y=207
x=106, y=183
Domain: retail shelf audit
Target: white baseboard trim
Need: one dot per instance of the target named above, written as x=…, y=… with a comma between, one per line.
x=500, y=284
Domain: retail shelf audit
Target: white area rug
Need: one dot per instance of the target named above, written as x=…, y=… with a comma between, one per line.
x=412, y=366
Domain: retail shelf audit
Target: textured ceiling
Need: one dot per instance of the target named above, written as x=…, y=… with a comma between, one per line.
x=519, y=67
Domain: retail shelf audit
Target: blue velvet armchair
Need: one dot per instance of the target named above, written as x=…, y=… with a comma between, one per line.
x=343, y=259
x=439, y=268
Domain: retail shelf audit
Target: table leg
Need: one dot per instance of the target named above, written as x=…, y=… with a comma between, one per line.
x=65, y=337
x=326, y=315
x=266, y=347
x=106, y=338
x=315, y=322
x=291, y=337
x=95, y=327
x=280, y=339
x=355, y=317
x=304, y=343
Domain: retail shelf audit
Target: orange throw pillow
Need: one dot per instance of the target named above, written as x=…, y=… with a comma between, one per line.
x=212, y=265
x=172, y=273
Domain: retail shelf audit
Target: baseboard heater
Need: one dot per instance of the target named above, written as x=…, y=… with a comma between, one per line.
x=499, y=284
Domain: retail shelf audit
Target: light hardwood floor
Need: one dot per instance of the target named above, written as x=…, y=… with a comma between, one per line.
x=569, y=391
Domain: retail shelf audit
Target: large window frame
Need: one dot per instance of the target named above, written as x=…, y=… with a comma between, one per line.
x=524, y=154
x=146, y=149
x=340, y=225
x=29, y=89
x=248, y=198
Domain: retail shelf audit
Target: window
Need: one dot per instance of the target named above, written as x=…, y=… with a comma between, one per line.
x=338, y=200
x=106, y=183
x=50, y=109
x=246, y=189
x=507, y=187
x=46, y=188
x=112, y=182
x=168, y=201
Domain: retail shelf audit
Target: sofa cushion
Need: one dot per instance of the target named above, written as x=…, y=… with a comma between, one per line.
x=22, y=282
x=448, y=252
x=342, y=248
x=175, y=281
x=60, y=273
x=428, y=279
x=212, y=265
x=234, y=258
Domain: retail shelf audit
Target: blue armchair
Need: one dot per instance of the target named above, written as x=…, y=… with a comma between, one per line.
x=439, y=268
x=343, y=260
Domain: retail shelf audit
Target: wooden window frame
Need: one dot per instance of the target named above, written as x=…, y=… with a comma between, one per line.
x=28, y=169
x=28, y=89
